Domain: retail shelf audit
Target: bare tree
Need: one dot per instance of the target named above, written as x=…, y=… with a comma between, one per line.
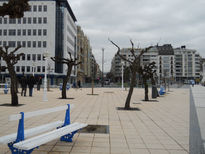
x=11, y=59
x=134, y=67
x=14, y=8
x=70, y=62
x=147, y=73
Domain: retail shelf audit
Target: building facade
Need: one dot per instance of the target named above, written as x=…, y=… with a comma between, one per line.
x=179, y=64
x=50, y=27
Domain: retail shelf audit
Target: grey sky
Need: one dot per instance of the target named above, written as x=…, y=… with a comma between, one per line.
x=146, y=22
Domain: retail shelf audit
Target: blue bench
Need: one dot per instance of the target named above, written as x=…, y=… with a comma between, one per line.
x=20, y=143
x=162, y=91
x=67, y=86
x=4, y=87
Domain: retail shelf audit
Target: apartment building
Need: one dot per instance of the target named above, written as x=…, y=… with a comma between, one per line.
x=50, y=27
x=179, y=64
x=188, y=64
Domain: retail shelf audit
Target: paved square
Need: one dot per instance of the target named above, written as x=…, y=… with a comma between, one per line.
x=159, y=127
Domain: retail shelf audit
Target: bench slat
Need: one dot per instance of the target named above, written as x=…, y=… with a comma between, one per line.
x=44, y=138
x=38, y=112
x=31, y=132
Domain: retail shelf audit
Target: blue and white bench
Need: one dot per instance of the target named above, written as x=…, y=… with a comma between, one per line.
x=25, y=141
x=162, y=91
x=4, y=87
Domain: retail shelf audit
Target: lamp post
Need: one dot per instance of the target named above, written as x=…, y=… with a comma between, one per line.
x=33, y=65
x=122, y=63
x=46, y=55
x=103, y=67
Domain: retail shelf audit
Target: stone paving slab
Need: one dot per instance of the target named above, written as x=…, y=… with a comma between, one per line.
x=159, y=127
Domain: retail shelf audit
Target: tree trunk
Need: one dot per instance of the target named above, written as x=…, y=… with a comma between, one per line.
x=65, y=81
x=154, y=89
x=132, y=84
x=146, y=90
x=14, y=96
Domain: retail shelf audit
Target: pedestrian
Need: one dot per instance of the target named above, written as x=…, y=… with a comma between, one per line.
x=31, y=82
x=23, y=82
x=79, y=84
x=39, y=82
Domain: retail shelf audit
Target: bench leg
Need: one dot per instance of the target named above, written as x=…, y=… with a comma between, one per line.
x=18, y=151
x=68, y=137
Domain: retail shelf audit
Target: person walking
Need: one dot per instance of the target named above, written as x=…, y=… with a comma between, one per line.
x=39, y=82
x=79, y=84
x=31, y=82
x=23, y=85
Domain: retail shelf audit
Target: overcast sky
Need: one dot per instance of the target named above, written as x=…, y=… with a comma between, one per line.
x=146, y=22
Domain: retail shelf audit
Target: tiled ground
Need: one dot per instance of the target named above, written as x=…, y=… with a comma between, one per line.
x=160, y=127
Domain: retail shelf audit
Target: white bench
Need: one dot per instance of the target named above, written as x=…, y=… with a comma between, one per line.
x=4, y=87
x=20, y=143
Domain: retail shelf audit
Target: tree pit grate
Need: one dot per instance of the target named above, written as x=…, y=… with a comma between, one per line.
x=101, y=129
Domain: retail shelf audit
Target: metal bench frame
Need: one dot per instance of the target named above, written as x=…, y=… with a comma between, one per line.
x=20, y=132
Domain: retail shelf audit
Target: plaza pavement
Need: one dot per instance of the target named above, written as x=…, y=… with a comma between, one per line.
x=159, y=127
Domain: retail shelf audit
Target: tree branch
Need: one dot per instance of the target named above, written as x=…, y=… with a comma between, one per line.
x=118, y=52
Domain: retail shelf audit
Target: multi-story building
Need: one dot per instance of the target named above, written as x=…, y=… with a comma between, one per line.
x=173, y=64
x=87, y=69
x=50, y=27
x=188, y=65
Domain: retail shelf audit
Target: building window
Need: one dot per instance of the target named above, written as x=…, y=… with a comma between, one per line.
x=19, y=21
x=12, y=32
x=12, y=44
x=17, y=69
x=24, y=20
x=38, y=68
x=34, y=8
x=4, y=43
x=45, y=8
x=39, y=8
x=43, y=69
x=34, y=20
x=34, y=32
x=0, y=44
x=19, y=32
x=39, y=44
x=44, y=20
x=29, y=32
x=12, y=21
x=44, y=44
x=0, y=20
x=28, y=44
x=33, y=57
x=39, y=32
x=0, y=32
x=24, y=32
x=29, y=20
x=23, y=57
x=28, y=57
x=39, y=57
x=39, y=20
x=34, y=44
x=27, y=68
x=24, y=44
x=18, y=43
x=22, y=68
x=5, y=32
x=5, y=20
x=44, y=32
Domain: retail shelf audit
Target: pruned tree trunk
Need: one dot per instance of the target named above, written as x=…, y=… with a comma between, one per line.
x=65, y=81
x=146, y=98
x=132, y=85
x=14, y=96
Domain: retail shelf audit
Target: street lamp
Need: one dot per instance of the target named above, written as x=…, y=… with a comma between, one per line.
x=122, y=63
x=46, y=55
x=33, y=65
x=102, y=67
